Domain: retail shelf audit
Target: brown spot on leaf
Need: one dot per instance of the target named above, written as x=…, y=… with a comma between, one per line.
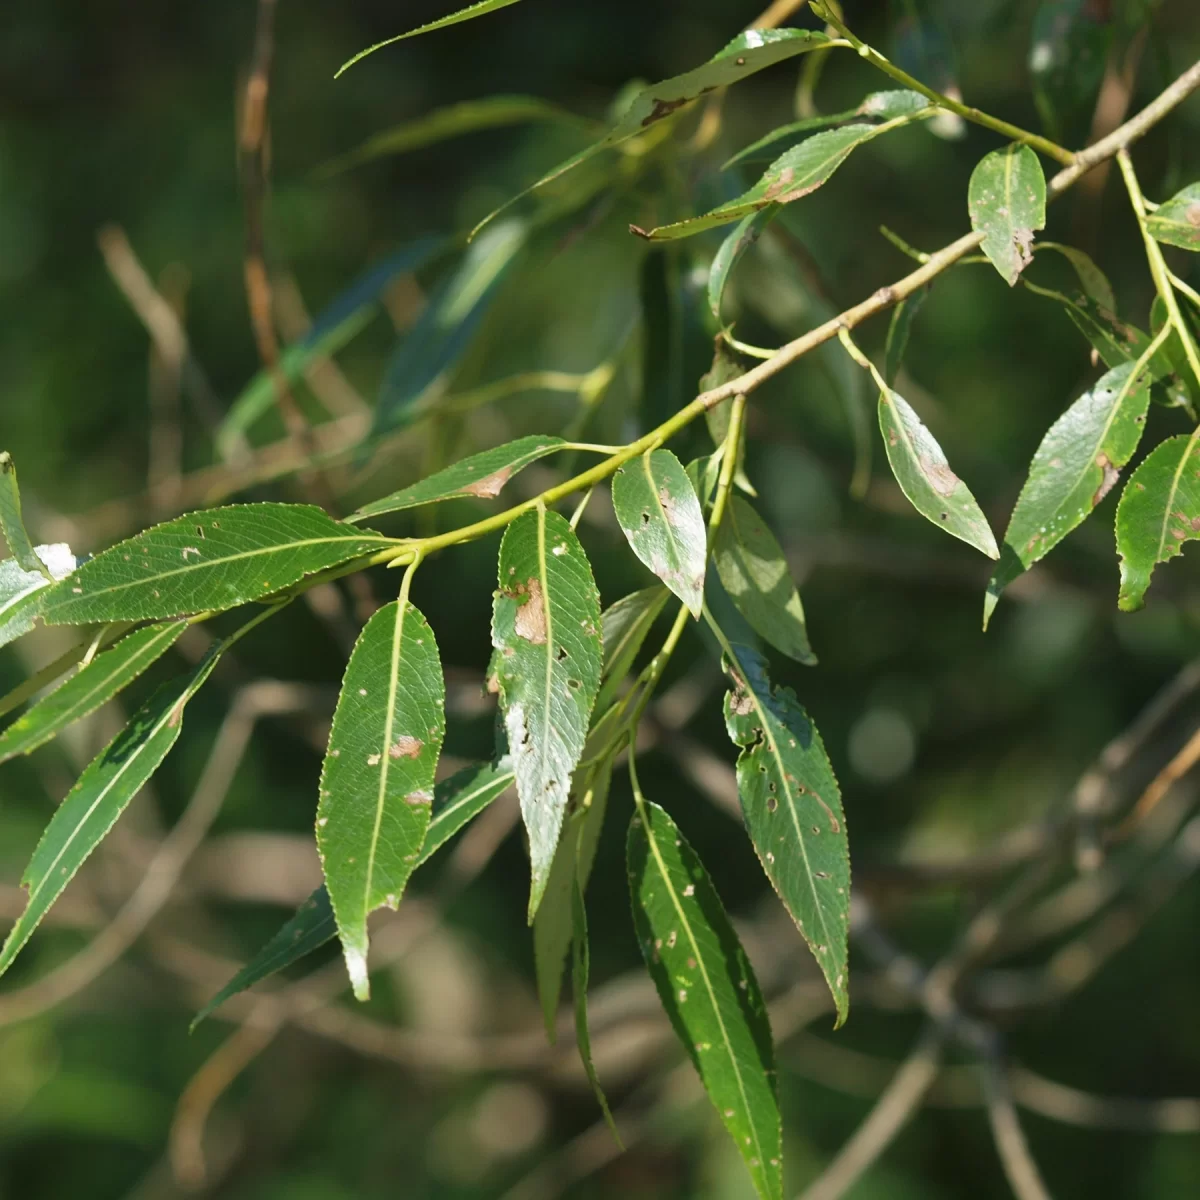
x=663, y=108
x=941, y=478
x=416, y=799
x=530, y=622
x=1023, y=240
x=1111, y=475
x=1192, y=213
x=405, y=747
x=489, y=485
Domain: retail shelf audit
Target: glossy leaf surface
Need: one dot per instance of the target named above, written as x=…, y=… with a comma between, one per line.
x=1007, y=202
x=377, y=781
x=11, y=524
x=1177, y=222
x=22, y=592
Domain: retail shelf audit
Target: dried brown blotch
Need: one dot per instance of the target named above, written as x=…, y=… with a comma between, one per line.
x=530, y=622
x=419, y=798
x=941, y=478
x=663, y=108
x=489, y=485
x=1111, y=475
x=1192, y=214
x=405, y=747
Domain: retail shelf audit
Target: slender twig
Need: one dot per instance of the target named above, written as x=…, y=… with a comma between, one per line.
x=1019, y=1166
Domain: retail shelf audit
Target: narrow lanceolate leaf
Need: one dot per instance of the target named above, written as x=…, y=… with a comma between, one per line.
x=1177, y=222
x=748, y=53
x=1158, y=512
x=571, y=871
x=899, y=331
x=482, y=476
x=90, y=687
x=546, y=633
x=22, y=592
x=755, y=573
x=659, y=513
x=1093, y=280
x=581, y=967
x=793, y=812
x=1007, y=201
x=100, y=796
x=1075, y=467
x=793, y=175
x=215, y=559
x=455, y=802
x=731, y=251
x=708, y=989
x=11, y=524
x=482, y=8
x=926, y=479
x=377, y=781
x=624, y=627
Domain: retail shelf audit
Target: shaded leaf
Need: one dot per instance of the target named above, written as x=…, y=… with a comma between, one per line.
x=377, y=780
x=793, y=175
x=546, y=631
x=460, y=798
x=1158, y=512
x=90, y=687
x=755, y=573
x=1093, y=280
x=659, y=513
x=708, y=989
x=482, y=476
x=925, y=477
x=1075, y=467
x=1171, y=359
x=22, y=592
x=216, y=559
x=899, y=329
x=731, y=251
x=100, y=796
x=725, y=367
x=624, y=627
x=793, y=813
x=480, y=9
x=1007, y=201
x=11, y=524
x=1067, y=57
x=1177, y=222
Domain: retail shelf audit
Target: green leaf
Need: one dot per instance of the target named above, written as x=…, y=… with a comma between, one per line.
x=581, y=966
x=899, y=329
x=455, y=802
x=481, y=476
x=1075, y=467
x=22, y=592
x=377, y=780
x=659, y=513
x=1177, y=222
x=216, y=559
x=311, y=928
x=1158, y=512
x=624, y=627
x=731, y=251
x=879, y=106
x=338, y=325
x=90, y=687
x=748, y=53
x=1093, y=280
x=546, y=632
x=1171, y=359
x=1007, y=201
x=708, y=989
x=793, y=813
x=1067, y=57
x=482, y=8
x=100, y=796
x=445, y=329
x=571, y=870
x=755, y=573
x=926, y=479
x=11, y=524
x=794, y=174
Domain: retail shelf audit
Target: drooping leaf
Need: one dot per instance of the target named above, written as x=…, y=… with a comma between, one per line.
x=581, y=968
x=571, y=870
x=216, y=559
x=731, y=251
x=755, y=573
x=481, y=475
x=1067, y=57
x=1114, y=340
x=456, y=801
x=624, y=627
x=708, y=989
x=659, y=513
x=793, y=813
x=90, y=687
x=1171, y=358
x=1007, y=202
x=795, y=174
x=925, y=477
x=1093, y=280
x=444, y=330
x=546, y=631
x=899, y=330
x=377, y=780
x=480, y=9
x=11, y=524
x=22, y=592
x=100, y=796
x=1075, y=467
x=1177, y=222
x=878, y=106
x=748, y=53
x=1158, y=512
x=725, y=368
x=338, y=325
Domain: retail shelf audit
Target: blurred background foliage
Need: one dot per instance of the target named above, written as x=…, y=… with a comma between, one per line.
x=945, y=740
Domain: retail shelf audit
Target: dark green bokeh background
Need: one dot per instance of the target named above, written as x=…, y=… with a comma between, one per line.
x=942, y=737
